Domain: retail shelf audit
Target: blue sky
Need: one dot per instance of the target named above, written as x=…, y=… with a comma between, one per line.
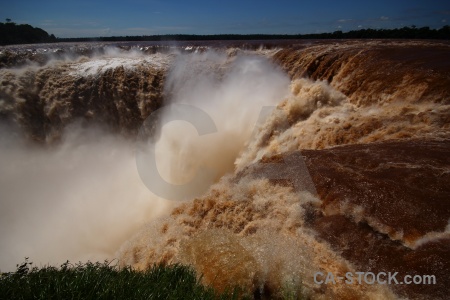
x=84, y=18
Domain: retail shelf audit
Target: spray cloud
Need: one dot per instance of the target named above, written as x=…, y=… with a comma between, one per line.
x=82, y=198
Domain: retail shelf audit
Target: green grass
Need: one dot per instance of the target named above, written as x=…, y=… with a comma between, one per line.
x=103, y=281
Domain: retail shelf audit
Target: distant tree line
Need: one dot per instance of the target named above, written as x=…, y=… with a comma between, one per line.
x=12, y=33
x=399, y=33
x=402, y=33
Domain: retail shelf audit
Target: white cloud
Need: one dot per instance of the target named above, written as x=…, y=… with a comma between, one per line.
x=149, y=30
x=47, y=23
x=383, y=18
x=64, y=32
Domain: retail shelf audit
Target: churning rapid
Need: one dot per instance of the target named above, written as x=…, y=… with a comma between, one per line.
x=290, y=158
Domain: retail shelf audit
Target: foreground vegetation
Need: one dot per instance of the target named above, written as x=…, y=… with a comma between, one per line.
x=103, y=281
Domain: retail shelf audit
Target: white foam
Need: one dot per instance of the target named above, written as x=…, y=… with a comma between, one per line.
x=100, y=65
